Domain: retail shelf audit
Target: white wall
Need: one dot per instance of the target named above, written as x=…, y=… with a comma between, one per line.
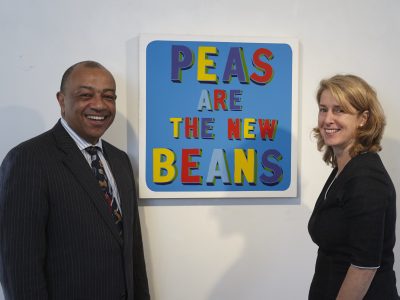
x=215, y=249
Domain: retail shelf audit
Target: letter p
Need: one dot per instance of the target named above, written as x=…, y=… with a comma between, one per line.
x=182, y=58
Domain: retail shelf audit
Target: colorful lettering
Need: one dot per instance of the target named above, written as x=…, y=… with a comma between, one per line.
x=164, y=168
x=218, y=168
x=188, y=165
x=262, y=66
x=182, y=58
x=236, y=66
x=203, y=64
x=274, y=169
x=245, y=166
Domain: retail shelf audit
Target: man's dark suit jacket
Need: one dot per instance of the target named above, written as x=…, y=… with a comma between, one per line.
x=58, y=239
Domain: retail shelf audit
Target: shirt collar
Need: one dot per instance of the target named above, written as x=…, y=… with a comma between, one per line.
x=80, y=142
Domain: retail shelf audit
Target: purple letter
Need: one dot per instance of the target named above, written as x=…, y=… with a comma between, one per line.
x=182, y=58
x=236, y=66
x=277, y=172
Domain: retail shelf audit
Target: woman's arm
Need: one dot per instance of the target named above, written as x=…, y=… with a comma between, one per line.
x=356, y=283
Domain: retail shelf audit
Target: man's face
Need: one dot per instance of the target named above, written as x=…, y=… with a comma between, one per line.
x=88, y=102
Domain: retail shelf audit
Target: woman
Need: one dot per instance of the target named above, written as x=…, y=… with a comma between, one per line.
x=354, y=219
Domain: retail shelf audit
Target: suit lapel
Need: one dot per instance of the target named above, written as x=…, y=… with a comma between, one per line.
x=77, y=164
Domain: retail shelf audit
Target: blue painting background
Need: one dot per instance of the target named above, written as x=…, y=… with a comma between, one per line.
x=166, y=99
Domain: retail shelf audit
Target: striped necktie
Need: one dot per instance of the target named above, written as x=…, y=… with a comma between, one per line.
x=100, y=174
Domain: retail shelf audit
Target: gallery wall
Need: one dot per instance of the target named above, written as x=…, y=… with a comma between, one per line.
x=205, y=249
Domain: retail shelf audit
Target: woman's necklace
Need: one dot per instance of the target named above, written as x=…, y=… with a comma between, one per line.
x=329, y=186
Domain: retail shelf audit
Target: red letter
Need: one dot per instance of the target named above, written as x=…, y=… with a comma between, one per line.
x=219, y=99
x=192, y=127
x=267, y=127
x=188, y=165
x=262, y=66
x=234, y=127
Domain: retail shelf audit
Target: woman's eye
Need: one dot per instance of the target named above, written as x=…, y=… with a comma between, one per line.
x=338, y=110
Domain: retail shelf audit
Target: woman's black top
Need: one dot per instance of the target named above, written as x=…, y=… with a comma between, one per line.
x=354, y=222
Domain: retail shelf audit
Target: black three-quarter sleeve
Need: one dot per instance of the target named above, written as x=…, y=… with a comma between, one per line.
x=365, y=203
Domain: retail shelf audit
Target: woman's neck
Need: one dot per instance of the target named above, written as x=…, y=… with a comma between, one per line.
x=342, y=158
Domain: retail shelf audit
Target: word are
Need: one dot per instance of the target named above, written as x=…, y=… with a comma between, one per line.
x=182, y=58
x=166, y=171
x=219, y=100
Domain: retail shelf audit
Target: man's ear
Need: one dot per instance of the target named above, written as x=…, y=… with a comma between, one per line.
x=61, y=99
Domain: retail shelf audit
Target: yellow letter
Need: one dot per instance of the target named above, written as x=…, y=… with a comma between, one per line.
x=203, y=64
x=175, y=122
x=247, y=127
x=164, y=168
x=245, y=166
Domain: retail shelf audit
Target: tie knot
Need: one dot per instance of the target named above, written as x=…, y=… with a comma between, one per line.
x=92, y=150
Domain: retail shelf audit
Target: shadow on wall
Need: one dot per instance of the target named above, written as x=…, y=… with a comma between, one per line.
x=269, y=229
x=273, y=246
x=132, y=85
x=391, y=160
x=18, y=124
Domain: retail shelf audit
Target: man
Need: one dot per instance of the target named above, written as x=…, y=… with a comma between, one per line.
x=62, y=235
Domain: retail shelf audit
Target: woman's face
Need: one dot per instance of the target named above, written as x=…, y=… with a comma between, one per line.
x=337, y=127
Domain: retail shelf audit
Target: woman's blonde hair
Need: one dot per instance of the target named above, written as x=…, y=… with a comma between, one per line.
x=354, y=93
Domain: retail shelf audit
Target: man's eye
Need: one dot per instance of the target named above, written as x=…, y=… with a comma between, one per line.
x=86, y=96
x=109, y=97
